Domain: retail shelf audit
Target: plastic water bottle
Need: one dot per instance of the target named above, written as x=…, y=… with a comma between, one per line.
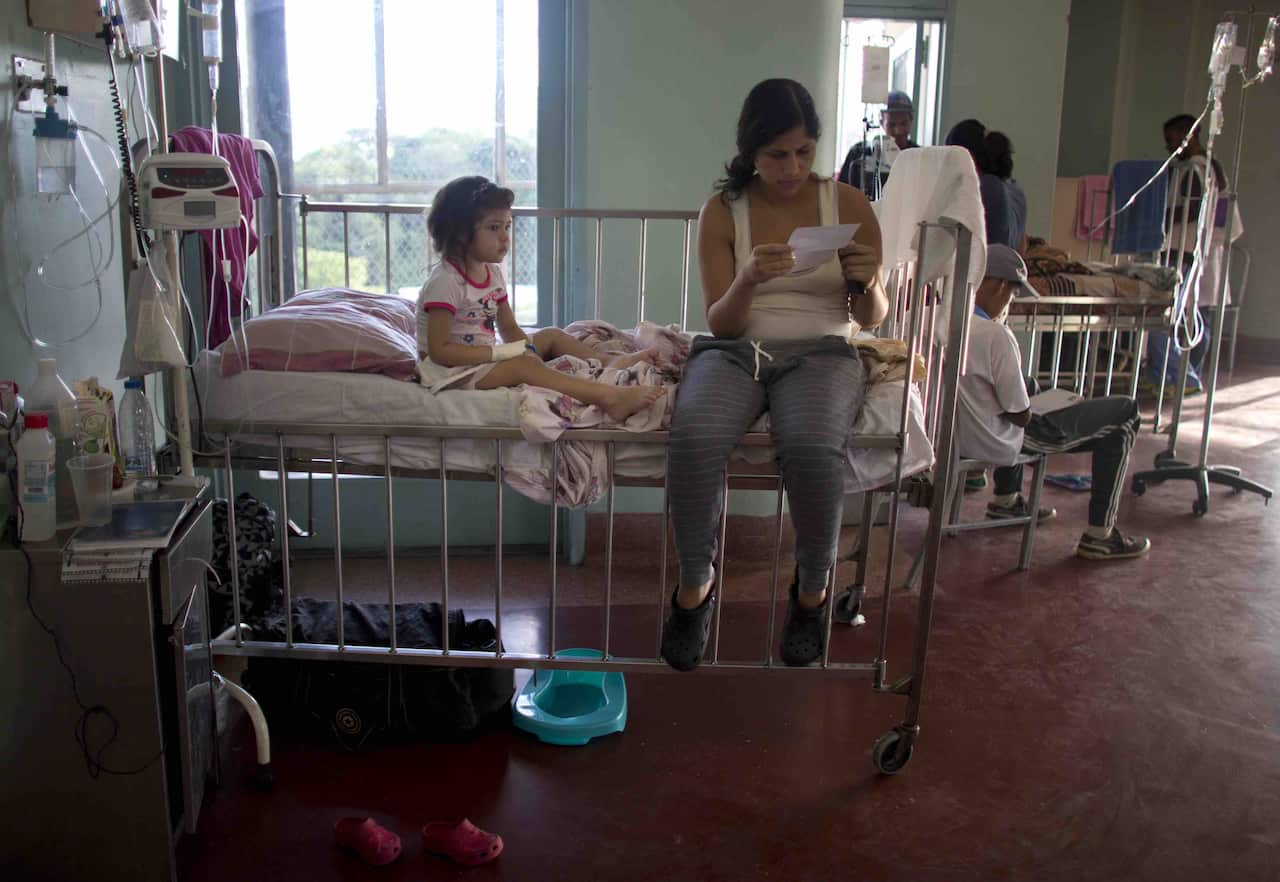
x=50, y=396
x=137, y=436
x=37, y=479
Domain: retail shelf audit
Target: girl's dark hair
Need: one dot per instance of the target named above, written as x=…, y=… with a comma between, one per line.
x=456, y=209
x=1000, y=152
x=971, y=135
x=772, y=108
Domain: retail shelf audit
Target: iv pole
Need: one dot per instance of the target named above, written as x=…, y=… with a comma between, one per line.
x=1203, y=474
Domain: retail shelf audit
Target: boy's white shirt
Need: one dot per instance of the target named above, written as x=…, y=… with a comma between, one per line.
x=992, y=386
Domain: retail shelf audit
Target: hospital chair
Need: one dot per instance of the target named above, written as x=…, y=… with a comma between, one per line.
x=953, y=525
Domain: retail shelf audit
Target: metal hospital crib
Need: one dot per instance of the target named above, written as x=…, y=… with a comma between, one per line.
x=931, y=315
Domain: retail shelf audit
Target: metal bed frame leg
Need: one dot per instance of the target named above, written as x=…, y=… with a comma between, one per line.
x=1139, y=350
x=232, y=540
x=282, y=480
x=1058, y=328
x=391, y=546
x=608, y=557
x=719, y=574
x=497, y=546
x=555, y=547
x=1033, y=506
x=849, y=603
x=773, y=585
x=337, y=540
x=662, y=558
x=444, y=550
x=1158, y=426
x=1112, y=345
x=893, y=750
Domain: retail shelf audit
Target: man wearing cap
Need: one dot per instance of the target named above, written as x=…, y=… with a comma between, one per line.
x=994, y=421
x=867, y=165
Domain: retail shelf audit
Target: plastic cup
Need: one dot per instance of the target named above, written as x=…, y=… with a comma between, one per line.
x=91, y=478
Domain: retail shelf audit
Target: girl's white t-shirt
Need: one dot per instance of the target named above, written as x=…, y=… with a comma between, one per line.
x=474, y=303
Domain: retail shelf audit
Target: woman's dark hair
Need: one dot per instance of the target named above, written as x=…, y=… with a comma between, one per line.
x=772, y=108
x=1000, y=152
x=971, y=135
x=456, y=209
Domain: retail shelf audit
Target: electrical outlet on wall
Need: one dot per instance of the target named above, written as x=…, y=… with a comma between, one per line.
x=30, y=98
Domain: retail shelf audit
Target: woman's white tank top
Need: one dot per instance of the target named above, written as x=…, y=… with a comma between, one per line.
x=804, y=306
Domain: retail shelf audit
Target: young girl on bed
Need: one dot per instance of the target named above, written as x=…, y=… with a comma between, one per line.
x=465, y=300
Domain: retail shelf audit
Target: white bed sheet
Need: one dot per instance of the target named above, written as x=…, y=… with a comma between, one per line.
x=279, y=397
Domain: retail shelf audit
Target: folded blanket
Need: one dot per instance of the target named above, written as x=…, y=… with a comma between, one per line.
x=1160, y=278
x=885, y=360
x=1045, y=260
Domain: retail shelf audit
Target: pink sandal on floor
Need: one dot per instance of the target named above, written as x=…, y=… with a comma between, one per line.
x=464, y=843
x=376, y=845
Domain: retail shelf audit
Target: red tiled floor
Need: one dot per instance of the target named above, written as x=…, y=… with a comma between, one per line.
x=1081, y=721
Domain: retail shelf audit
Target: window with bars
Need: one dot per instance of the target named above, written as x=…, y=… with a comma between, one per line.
x=385, y=101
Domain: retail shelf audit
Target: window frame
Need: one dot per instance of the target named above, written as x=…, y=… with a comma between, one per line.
x=383, y=185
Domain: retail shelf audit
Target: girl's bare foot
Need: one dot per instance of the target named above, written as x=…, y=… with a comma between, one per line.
x=632, y=358
x=623, y=401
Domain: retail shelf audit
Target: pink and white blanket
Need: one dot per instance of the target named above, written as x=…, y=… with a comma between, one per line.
x=583, y=472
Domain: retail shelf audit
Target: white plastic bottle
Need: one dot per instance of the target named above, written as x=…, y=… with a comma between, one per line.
x=50, y=396
x=137, y=436
x=37, y=479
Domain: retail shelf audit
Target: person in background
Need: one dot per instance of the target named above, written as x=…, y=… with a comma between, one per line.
x=994, y=422
x=972, y=136
x=1191, y=168
x=867, y=165
x=1000, y=152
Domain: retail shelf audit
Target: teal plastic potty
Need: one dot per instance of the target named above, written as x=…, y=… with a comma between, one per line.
x=571, y=707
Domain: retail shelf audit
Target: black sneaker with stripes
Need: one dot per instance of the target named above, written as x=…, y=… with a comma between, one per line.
x=1115, y=546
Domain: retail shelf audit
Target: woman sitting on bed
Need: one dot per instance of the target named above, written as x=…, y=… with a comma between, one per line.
x=782, y=343
x=464, y=302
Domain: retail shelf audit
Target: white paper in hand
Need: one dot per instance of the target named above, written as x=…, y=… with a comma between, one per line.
x=814, y=246
x=1053, y=399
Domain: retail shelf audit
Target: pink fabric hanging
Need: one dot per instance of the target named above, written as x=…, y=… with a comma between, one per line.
x=1091, y=208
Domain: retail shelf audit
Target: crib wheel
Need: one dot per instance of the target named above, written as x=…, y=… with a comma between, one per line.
x=890, y=755
x=848, y=605
x=1200, y=507
x=1139, y=487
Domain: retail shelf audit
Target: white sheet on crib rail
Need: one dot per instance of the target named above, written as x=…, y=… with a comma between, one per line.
x=929, y=184
x=279, y=397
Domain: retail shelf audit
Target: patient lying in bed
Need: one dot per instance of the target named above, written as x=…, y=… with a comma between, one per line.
x=464, y=304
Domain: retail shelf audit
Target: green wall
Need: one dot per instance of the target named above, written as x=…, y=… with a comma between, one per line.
x=1005, y=66
x=658, y=90
x=30, y=225
x=1093, y=53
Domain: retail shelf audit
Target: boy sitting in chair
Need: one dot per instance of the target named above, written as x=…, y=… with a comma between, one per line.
x=994, y=421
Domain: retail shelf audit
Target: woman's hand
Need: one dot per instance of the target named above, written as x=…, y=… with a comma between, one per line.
x=859, y=263
x=768, y=262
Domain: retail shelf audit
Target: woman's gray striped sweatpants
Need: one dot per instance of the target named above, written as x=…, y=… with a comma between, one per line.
x=812, y=390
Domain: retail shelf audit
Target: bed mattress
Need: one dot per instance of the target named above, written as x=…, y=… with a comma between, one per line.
x=354, y=399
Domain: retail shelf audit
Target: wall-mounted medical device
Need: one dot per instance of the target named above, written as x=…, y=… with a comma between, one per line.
x=187, y=191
